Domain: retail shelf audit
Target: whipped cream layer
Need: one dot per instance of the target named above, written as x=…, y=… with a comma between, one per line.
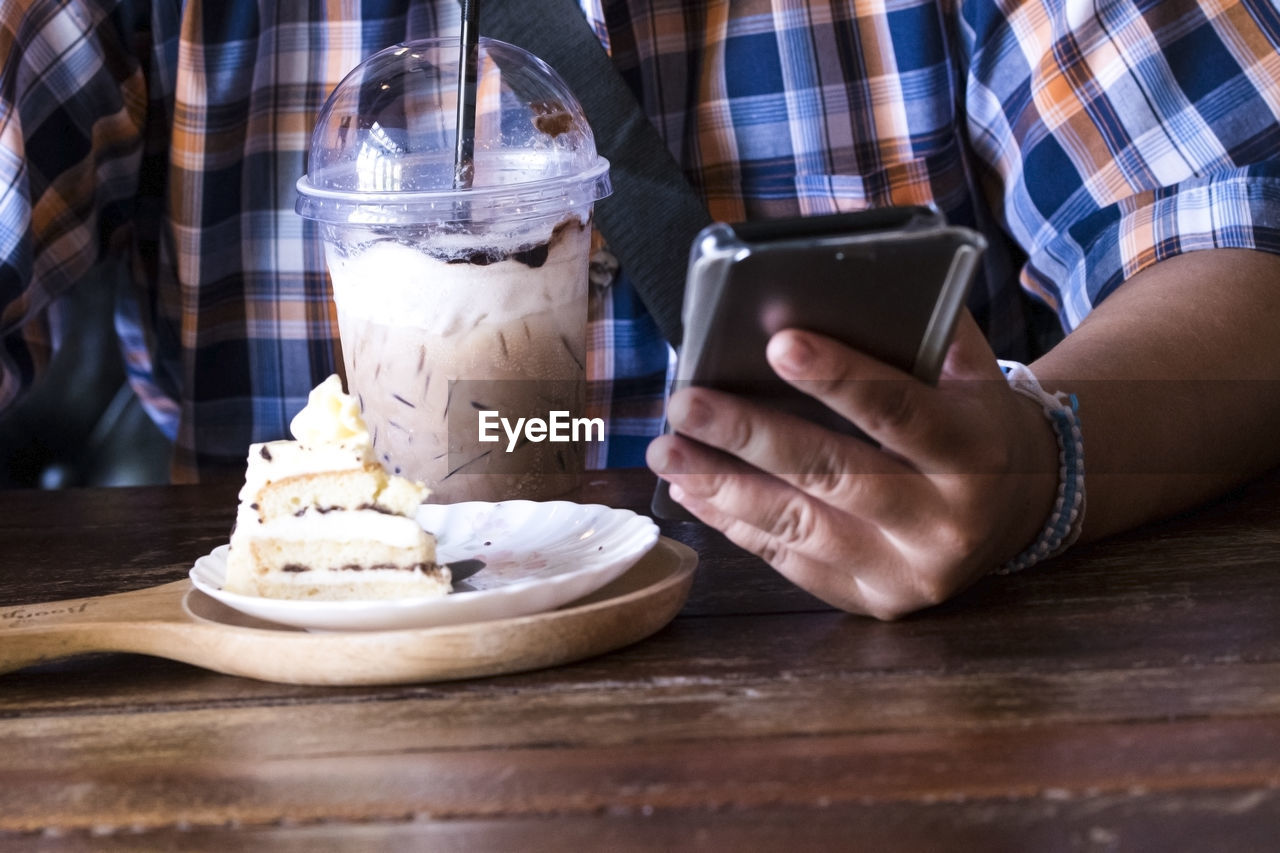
x=395, y=284
x=396, y=531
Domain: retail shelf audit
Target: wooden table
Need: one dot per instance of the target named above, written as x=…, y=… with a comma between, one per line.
x=1126, y=697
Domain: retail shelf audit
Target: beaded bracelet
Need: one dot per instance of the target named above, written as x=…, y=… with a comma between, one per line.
x=1067, y=516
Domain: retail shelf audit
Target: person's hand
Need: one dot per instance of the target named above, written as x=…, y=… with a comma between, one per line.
x=963, y=480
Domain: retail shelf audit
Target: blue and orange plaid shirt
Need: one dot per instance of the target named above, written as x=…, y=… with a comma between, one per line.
x=1087, y=140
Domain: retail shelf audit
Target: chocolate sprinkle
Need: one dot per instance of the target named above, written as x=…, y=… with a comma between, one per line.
x=533, y=256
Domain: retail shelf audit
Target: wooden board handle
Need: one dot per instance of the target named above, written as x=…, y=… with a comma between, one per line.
x=32, y=647
x=32, y=633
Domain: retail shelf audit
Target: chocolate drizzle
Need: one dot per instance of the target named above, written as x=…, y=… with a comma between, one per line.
x=532, y=256
x=323, y=510
x=424, y=568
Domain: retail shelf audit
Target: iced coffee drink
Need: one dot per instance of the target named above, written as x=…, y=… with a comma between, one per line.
x=433, y=335
x=461, y=304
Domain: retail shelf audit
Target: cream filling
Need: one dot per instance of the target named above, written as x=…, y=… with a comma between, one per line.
x=354, y=578
x=340, y=526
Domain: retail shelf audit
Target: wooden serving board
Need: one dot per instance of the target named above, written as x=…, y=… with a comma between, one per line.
x=179, y=622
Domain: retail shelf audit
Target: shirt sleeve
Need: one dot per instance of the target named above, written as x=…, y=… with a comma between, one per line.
x=1122, y=134
x=72, y=109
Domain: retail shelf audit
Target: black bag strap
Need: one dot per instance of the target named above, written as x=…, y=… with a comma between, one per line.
x=652, y=219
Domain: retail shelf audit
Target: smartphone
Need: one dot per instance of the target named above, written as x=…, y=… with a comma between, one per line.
x=888, y=281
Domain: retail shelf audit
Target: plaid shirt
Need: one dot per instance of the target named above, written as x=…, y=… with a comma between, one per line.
x=1086, y=140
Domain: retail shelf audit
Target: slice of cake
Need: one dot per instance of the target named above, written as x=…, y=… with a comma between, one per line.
x=320, y=519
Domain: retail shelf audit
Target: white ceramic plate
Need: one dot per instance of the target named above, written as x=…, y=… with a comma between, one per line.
x=538, y=556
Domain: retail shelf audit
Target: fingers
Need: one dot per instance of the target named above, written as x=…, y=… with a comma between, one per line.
x=839, y=470
x=845, y=589
x=796, y=522
x=920, y=424
x=841, y=559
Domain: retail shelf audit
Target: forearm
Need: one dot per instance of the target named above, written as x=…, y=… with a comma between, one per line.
x=1177, y=374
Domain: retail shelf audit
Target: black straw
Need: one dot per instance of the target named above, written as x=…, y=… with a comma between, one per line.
x=468, y=62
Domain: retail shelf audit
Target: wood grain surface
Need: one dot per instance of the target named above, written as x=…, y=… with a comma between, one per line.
x=1124, y=697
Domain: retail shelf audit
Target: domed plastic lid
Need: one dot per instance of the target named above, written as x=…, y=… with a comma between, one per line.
x=383, y=148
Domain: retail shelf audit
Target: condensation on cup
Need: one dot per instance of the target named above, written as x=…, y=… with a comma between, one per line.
x=461, y=307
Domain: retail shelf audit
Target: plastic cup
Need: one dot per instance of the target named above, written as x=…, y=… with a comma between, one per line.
x=462, y=311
